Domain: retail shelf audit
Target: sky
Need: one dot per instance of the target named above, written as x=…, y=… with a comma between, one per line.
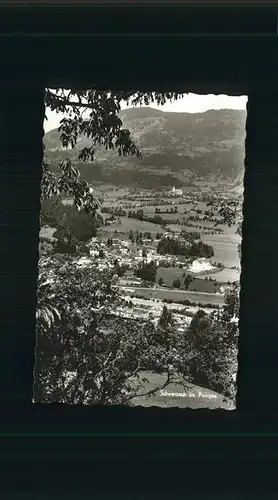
x=190, y=103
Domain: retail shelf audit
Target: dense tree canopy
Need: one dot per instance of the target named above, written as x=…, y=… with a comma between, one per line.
x=214, y=340
x=146, y=272
x=173, y=246
x=87, y=354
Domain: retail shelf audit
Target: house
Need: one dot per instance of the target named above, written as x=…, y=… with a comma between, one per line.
x=176, y=192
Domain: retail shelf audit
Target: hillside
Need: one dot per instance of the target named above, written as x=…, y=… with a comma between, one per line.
x=177, y=148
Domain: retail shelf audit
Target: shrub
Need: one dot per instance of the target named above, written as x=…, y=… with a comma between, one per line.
x=146, y=272
x=213, y=338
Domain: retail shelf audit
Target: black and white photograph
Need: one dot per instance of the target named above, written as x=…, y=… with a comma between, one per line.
x=140, y=249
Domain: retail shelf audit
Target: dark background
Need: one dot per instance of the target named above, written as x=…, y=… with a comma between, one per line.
x=199, y=50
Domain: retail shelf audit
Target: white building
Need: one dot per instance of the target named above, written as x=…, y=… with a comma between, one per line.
x=176, y=192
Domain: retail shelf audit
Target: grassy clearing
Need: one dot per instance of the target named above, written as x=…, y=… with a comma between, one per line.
x=176, y=395
x=169, y=274
x=199, y=227
x=226, y=275
x=227, y=238
x=204, y=286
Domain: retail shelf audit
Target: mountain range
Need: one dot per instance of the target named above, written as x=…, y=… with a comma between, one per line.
x=177, y=149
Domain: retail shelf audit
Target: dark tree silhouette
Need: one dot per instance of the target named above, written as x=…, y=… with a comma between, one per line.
x=102, y=126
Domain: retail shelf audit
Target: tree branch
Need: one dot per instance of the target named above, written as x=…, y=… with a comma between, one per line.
x=153, y=391
x=67, y=102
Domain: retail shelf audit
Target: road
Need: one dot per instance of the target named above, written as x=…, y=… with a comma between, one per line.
x=160, y=293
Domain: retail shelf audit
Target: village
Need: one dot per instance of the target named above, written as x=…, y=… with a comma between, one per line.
x=149, y=264
x=135, y=222
x=125, y=245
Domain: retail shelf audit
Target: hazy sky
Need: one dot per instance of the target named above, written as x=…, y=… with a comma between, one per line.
x=190, y=103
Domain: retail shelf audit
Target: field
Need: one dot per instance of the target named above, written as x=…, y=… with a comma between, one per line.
x=224, y=251
x=226, y=275
x=199, y=226
x=111, y=191
x=200, y=285
x=179, y=295
x=227, y=238
x=177, y=395
x=128, y=224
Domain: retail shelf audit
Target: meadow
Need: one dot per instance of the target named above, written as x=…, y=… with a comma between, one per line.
x=226, y=275
x=225, y=251
x=200, y=285
x=128, y=224
x=179, y=295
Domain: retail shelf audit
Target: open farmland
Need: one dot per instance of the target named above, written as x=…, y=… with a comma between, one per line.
x=128, y=224
x=179, y=295
x=169, y=274
x=226, y=275
x=225, y=248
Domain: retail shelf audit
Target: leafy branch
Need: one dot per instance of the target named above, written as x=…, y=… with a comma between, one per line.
x=102, y=125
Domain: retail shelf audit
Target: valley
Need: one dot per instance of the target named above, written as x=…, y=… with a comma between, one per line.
x=157, y=230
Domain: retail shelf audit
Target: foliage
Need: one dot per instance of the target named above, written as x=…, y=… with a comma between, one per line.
x=232, y=304
x=172, y=246
x=146, y=272
x=74, y=227
x=200, y=249
x=82, y=225
x=120, y=270
x=187, y=280
x=104, y=129
x=166, y=317
x=68, y=182
x=86, y=354
x=102, y=126
x=214, y=339
x=190, y=236
x=156, y=219
x=46, y=246
x=228, y=210
x=52, y=211
x=176, y=283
